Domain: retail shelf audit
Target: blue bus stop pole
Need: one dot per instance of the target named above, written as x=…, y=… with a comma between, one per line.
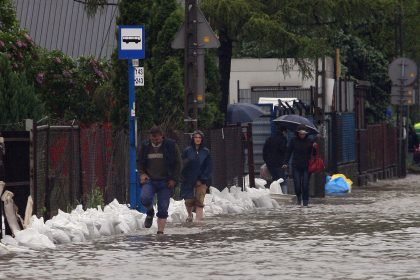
x=132, y=136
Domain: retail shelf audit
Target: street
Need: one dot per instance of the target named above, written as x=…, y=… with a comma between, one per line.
x=372, y=233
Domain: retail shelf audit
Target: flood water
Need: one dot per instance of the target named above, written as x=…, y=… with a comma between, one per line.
x=372, y=233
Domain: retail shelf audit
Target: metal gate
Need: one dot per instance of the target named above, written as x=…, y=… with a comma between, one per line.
x=16, y=169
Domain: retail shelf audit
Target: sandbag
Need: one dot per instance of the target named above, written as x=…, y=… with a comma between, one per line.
x=265, y=173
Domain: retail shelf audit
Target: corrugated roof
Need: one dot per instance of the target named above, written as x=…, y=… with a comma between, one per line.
x=64, y=25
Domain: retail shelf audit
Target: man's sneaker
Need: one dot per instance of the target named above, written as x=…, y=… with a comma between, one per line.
x=189, y=219
x=149, y=218
x=159, y=232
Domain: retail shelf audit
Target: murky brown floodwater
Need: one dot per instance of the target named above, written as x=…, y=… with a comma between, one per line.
x=373, y=233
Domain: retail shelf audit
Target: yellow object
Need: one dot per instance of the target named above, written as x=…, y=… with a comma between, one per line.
x=348, y=181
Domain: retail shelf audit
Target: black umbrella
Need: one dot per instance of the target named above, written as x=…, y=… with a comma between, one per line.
x=243, y=113
x=293, y=121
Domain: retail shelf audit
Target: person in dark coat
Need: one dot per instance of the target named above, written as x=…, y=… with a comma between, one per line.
x=300, y=149
x=196, y=175
x=274, y=153
x=159, y=168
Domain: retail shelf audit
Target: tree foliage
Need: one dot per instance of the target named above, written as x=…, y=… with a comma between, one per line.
x=7, y=15
x=18, y=100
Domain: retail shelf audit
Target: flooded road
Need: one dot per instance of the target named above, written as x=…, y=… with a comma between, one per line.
x=372, y=233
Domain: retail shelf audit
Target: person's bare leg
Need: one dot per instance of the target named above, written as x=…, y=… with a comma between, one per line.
x=190, y=213
x=161, y=224
x=198, y=214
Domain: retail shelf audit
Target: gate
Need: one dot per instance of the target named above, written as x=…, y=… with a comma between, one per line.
x=57, y=168
x=16, y=169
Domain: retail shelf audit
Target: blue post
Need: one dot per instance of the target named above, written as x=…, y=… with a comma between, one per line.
x=132, y=136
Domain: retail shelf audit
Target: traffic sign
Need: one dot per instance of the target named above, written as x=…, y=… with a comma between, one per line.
x=131, y=42
x=402, y=96
x=138, y=76
x=402, y=71
x=206, y=38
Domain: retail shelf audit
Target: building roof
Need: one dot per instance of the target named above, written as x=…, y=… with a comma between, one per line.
x=64, y=25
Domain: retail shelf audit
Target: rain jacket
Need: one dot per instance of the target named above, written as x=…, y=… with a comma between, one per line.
x=274, y=150
x=301, y=150
x=197, y=166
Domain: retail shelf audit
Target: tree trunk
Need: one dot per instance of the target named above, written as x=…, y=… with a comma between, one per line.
x=225, y=56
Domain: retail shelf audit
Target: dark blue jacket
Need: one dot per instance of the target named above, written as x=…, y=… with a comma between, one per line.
x=300, y=151
x=170, y=154
x=197, y=166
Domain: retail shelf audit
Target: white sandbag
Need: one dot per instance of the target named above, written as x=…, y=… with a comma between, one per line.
x=263, y=201
x=264, y=172
x=10, y=211
x=59, y=236
x=260, y=183
x=3, y=249
x=28, y=212
x=2, y=185
x=106, y=228
x=275, y=187
x=39, y=226
x=32, y=239
x=8, y=240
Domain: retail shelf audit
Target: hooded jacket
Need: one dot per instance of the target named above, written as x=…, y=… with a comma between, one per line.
x=274, y=150
x=197, y=164
x=301, y=150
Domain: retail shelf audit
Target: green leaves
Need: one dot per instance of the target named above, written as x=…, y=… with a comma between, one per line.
x=18, y=100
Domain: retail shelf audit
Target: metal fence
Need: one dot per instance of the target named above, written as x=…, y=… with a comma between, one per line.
x=57, y=169
x=71, y=162
x=227, y=151
x=377, y=147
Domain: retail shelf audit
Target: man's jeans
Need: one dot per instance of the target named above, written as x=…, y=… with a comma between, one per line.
x=301, y=181
x=152, y=187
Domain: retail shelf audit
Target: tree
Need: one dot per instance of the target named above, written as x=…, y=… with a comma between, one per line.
x=170, y=93
x=227, y=17
x=7, y=15
x=18, y=100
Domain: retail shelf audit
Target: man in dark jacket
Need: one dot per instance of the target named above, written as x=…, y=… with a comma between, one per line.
x=159, y=168
x=300, y=149
x=274, y=152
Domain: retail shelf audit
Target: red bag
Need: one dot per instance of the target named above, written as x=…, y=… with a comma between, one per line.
x=316, y=164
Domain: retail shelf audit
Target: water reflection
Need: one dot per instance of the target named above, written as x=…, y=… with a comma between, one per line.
x=369, y=234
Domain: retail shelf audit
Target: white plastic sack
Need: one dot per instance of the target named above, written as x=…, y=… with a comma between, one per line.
x=264, y=172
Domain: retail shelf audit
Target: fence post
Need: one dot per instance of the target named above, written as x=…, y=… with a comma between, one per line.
x=319, y=179
x=251, y=172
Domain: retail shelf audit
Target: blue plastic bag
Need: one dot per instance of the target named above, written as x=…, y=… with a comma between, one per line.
x=336, y=185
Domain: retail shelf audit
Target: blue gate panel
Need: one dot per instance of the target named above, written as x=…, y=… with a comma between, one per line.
x=348, y=137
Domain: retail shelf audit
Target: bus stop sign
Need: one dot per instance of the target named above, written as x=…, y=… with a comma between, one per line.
x=131, y=42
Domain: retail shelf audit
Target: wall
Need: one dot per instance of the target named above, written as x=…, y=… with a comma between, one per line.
x=252, y=72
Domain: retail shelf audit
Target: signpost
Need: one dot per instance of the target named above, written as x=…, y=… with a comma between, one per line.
x=402, y=72
x=131, y=46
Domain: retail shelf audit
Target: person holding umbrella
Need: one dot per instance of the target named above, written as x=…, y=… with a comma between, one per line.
x=300, y=149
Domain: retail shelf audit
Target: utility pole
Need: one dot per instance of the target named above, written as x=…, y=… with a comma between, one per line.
x=190, y=64
x=194, y=36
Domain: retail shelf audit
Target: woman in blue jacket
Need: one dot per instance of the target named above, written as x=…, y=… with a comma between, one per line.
x=196, y=175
